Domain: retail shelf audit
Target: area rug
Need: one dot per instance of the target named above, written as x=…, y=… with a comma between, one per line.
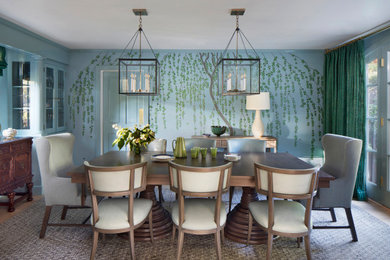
x=19, y=240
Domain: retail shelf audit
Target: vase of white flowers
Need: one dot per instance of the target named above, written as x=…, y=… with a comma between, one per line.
x=135, y=139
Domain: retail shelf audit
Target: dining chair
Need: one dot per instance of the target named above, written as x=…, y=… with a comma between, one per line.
x=283, y=217
x=55, y=158
x=158, y=145
x=199, y=142
x=198, y=213
x=119, y=211
x=342, y=157
x=242, y=146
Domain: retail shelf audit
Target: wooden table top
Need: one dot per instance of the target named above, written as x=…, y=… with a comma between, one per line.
x=242, y=172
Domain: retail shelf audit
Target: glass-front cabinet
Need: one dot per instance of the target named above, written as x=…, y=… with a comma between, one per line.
x=54, y=99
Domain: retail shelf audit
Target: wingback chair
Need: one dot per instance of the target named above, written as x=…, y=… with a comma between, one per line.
x=200, y=215
x=55, y=158
x=283, y=217
x=342, y=157
x=120, y=212
x=242, y=146
x=158, y=145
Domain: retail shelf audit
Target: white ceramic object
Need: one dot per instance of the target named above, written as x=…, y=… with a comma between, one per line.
x=162, y=158
x=232, y=157
x=9, y=133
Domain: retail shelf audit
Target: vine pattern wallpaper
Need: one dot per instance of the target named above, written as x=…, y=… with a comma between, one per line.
x=190, y=91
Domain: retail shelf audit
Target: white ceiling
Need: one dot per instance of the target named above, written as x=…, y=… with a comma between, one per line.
x=197, y=24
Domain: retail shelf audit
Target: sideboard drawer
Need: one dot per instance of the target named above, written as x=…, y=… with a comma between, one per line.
x=4, y=150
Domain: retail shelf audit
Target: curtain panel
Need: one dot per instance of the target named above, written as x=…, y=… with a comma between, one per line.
x=345, y=100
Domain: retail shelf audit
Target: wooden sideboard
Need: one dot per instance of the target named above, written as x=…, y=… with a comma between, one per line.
x=15, y=170
x=221, y=141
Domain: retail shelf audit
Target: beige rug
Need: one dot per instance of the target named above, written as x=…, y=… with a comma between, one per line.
x=19, y=240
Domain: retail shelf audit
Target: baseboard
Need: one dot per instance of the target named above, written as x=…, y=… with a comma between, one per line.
x=383, y=207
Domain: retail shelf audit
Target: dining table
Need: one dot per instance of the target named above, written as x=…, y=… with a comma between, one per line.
x=236, y=228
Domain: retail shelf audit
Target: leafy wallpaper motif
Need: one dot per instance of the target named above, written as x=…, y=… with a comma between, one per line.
x=190, y=97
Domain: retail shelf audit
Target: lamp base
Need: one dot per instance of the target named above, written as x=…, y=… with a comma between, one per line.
x=258, y=126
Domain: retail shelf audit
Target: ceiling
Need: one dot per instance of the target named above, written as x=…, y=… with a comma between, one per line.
x=197, y=24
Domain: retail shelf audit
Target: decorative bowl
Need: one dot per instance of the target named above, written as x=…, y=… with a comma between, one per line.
x=9, y=133
x=218, y=130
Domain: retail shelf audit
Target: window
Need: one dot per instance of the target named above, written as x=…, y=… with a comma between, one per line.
x=372, y=118
x=21, y=95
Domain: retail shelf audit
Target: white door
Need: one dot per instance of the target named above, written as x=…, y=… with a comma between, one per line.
x=118, y=109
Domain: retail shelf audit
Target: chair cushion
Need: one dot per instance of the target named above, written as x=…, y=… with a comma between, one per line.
x=113, y=213
x=198, y=214
x=289, y=216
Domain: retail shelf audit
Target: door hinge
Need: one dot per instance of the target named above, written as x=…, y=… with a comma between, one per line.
x=382, y=122
x=382, y=62
x=381, y=181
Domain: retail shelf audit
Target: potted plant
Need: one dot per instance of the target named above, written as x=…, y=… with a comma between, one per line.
x=135, y=139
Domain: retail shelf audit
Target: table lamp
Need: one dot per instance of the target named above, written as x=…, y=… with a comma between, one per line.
x=258, y=102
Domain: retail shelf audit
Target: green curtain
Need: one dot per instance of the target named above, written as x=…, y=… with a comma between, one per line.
x=345, y=100
x=3, y=63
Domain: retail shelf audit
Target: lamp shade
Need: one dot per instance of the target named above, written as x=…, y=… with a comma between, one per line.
x=258, y=102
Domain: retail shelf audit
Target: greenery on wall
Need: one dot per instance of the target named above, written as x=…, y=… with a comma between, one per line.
x=189, y=90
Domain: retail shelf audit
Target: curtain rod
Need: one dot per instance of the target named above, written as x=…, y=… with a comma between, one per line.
x=377, y=29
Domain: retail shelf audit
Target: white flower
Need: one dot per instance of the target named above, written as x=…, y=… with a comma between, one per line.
x=143, y=137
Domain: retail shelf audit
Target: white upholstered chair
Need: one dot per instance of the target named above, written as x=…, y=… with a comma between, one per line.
x=158, y=145
x=283, y=217
x=342, y=157
x=55, y=158
x=200, y=215
x=121, y=212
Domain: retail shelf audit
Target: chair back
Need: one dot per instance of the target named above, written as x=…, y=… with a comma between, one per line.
x=55, y=154
x=157, y=145
x=285, y=183
x=342, y=157
x=116, y=181
x=199, y=181
x=199, y=142
x=246, y=145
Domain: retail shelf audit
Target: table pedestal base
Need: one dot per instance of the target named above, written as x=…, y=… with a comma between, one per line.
x=162, y=222
x=237, y=223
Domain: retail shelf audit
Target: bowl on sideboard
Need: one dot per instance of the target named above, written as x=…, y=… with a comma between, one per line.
x=218, y=130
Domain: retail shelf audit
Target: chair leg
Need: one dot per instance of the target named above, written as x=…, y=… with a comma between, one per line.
x=132, y=249
x=94, y=244
x=218, y=244
x=307, y=247
x=250, y=223
x=333, y=214
x=151, y=225
x=173, y=233
x=223, y=235
x=45, y=221
x=231, y=193
x=269, y=246
x=180, y=243
x=64, y=211
x=351, y=224
x=160, y=194
x=299, y=240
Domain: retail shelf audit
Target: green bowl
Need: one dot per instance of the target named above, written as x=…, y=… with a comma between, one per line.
x=218, y=130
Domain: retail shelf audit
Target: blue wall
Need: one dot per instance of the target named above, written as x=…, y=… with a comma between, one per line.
x=185, y=108
x=23, y=45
